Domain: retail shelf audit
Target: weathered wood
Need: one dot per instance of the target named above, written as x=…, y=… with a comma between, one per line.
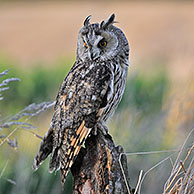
x=97, y=169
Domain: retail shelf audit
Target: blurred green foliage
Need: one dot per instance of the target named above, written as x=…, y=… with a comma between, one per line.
x=139, y=120
x=20, y=179
x=37, y=84
x=145, y=93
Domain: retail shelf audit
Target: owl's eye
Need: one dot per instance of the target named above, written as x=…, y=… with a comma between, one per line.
x=85, y=45
x=102, y=43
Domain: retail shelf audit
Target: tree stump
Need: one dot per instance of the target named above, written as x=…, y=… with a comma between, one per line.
x=97, y=168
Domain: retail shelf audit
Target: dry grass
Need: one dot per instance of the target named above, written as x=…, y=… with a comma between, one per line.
x=181, y=180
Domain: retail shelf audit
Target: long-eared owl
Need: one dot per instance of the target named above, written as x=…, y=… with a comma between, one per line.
x=89, y=94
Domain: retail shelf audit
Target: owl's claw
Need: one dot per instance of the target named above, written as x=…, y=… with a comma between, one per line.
x=100, y=126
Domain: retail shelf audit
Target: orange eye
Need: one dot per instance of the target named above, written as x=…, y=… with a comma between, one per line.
x=102, y=43
x=85, y=45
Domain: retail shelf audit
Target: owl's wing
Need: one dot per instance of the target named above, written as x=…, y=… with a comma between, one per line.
x=82, y=95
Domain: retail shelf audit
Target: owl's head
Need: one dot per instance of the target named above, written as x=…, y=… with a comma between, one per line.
x=101, y=41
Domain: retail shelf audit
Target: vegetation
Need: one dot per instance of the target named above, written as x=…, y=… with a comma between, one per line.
x=156, y=112
x=139, y=124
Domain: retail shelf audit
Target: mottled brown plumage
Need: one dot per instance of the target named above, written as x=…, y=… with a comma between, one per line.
x=88, y=95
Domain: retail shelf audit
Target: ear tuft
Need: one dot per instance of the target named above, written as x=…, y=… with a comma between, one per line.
x=87, y=21
x=109, y=21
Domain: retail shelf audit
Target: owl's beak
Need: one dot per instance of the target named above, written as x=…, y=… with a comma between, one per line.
x=92, y=54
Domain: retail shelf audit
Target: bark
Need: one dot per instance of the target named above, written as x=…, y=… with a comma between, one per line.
x=97, y=169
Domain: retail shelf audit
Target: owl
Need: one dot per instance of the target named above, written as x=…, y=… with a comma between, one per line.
x=89, y=94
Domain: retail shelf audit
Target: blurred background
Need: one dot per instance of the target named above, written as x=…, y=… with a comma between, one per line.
x=38, y=45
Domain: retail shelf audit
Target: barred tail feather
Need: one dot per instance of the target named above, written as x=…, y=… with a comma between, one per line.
x=71, y=154
x=54, y=163
x=62, y=157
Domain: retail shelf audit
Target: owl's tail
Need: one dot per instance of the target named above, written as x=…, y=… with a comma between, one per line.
x=45, y=149
x=76, y=142
x=64, y=156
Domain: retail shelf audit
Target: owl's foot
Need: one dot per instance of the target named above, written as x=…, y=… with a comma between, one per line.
x=100, y=126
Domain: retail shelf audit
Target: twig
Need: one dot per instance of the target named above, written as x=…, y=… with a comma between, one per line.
x=182, y=165
x=186, y=175
x=182, y=147
x=175, y=172
x=156, y=165
x=35, y=134
x=126, y=183
x=139, y=180
x=3, y=170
